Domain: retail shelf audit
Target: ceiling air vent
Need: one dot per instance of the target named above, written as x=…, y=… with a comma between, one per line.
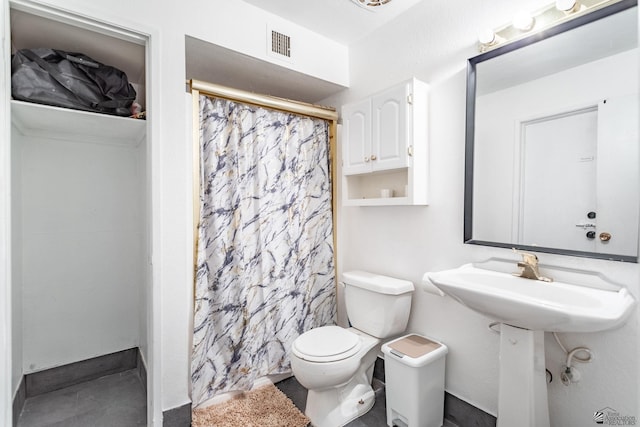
x=280, y=44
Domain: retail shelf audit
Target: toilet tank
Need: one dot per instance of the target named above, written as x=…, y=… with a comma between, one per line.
x=377, y=305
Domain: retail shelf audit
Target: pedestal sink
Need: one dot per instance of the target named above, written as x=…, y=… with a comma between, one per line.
x=526, y=309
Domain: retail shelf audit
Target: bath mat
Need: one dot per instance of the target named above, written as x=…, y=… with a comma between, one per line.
x=262, y=407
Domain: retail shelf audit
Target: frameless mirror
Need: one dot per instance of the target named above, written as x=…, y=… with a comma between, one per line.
x=552, y=149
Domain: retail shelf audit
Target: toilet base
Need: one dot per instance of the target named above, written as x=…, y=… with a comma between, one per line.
x=339, y=406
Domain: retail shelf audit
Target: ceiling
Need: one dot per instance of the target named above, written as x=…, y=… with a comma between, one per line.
x=341, y=20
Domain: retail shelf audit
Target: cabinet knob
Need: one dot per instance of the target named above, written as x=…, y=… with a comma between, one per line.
x=605, y=237
x=373, y=157
x=366, y=160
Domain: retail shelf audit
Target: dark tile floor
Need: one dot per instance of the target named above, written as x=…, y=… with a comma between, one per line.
x=376, y=417
x=119, y=400
x=112, y=401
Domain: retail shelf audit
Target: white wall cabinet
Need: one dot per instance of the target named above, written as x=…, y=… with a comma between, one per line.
x=385, y=147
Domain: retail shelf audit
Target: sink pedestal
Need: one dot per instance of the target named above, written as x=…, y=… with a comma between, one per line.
x=522, y=393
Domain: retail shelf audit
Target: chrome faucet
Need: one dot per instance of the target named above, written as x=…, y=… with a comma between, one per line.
x=529, y=267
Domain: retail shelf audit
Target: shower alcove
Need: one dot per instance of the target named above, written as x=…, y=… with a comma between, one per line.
x=80, y=210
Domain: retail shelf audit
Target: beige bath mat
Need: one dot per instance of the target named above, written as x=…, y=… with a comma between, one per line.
x=263, y=407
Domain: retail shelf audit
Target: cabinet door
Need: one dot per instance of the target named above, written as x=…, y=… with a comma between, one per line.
x=390, y=135
x=356, y=149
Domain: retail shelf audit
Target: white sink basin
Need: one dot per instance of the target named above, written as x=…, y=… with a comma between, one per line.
x=533, y=304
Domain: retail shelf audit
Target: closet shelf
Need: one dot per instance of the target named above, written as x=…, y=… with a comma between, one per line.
x=38, y=120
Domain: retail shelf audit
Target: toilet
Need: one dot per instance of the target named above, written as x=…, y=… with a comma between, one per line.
x=336, y=364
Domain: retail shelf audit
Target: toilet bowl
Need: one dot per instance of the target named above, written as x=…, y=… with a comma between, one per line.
x=336, y=364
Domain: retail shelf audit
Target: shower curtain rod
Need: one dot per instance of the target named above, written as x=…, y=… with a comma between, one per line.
x=296, y=107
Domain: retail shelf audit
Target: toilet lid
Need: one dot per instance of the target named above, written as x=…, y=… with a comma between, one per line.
x=326, y=344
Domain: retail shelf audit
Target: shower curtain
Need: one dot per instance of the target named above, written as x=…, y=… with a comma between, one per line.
x=265, y=269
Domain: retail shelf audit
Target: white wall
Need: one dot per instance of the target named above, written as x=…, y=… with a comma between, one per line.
x=144, y=228
x=6, y=300
x=82, y=250
x=16, y=263
x=432, y=44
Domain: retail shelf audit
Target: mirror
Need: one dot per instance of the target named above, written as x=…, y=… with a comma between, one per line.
x=552, y=150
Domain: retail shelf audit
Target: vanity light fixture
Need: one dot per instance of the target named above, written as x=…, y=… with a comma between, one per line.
x=525, y=24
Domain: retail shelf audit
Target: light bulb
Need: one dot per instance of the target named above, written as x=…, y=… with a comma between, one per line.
x=523, y=21
x=565, y=5
x=486, y=37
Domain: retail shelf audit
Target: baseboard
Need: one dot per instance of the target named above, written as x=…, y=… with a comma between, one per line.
x=78, y=372
x=141, y=365
x=177, y=417
x=378, y=369
x=462, y=413
x=18, y=400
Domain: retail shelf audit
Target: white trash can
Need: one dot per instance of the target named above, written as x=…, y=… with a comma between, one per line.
x=414, y=381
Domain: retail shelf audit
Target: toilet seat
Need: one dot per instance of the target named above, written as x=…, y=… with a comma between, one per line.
x=326, y=344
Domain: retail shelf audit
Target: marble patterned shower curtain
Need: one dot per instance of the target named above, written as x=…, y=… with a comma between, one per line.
x=265, y=271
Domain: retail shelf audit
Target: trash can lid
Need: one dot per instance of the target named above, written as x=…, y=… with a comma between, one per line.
x=415, y=350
